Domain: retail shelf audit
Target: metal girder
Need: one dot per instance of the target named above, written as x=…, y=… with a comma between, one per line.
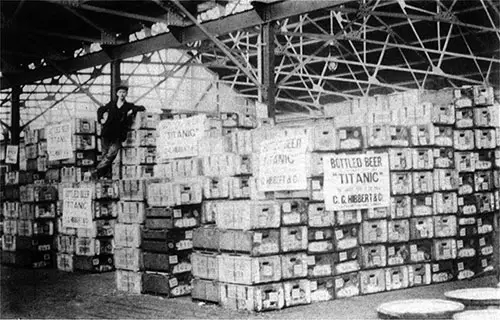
x=15, y=116
x=268, y=84
x=275, y=11
x=135, y=16
x=88, y=81
x=167, y=76
x=433, y=18
x=115, y=78
x=214, y=39
x=3, y=123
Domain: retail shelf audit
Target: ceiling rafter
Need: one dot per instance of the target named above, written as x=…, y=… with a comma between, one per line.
x=243, y=20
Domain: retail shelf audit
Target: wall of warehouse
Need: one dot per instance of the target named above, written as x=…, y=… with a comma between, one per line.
x=189, y=88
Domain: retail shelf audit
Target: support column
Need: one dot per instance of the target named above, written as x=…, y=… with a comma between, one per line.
x=115, y=77
x=268, y=85
x=15, y=118
x=15, y=115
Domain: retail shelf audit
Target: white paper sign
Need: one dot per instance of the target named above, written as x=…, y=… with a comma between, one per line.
x=356, y=181
x=178, y=138
x=59, y=141
x=11, y=154
x=77, y=208
x=282, y=164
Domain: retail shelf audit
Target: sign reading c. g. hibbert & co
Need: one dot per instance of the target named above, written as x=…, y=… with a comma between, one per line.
x=356, y=181
x=282, y=164
x=77, y=208
x=59, y=141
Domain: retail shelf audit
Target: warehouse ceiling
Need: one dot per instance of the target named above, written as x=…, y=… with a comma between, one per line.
x=339, y=50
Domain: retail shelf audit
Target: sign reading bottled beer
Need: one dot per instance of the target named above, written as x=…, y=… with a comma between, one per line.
x=178, y=138
x=77, y=208
x=356, y=181
x=282, y=164
x=59, y=141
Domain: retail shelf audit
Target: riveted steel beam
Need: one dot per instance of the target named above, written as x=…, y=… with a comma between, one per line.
x=232, y=23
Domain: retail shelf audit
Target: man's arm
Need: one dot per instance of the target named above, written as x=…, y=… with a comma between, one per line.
x=102, y=114
x=139, y=108
x=133, y=109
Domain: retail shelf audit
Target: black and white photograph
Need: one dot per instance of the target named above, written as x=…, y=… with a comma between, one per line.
x=250, y=159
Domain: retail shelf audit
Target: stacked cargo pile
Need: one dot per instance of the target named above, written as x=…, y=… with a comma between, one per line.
x=174, y=206
x=138, y=153
x=30, y=225
x=255, y=256
x=35, y=153
x=73, y=153
x=10, y=213
x=131, y=217
x=76, y=163
x=442, y=191
x=475, y=143
x=173, y=211
x=437, y=226
x=87, y=244
x=133, y=167
x=3, y=171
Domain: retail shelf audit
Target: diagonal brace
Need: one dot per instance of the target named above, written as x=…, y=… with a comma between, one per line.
x=214, y=39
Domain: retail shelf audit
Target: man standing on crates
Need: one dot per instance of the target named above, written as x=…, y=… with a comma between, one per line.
x=116, y=117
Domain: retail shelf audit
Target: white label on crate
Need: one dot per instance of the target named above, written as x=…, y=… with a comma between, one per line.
x=287, y=207
x=435, y=267
x=356, y=181
x=77, y=208
x=267, y=271
x=396, y=279
x=297, y=269
x=339, y=234
x=178, y=138
x=391, y=251
x=173, y=259
x=418, y=279
x=282, y=163
x=11, y=154
x=487, y=250
x=177, y=213
x=339, y=283
x=59, y=141
x=291, y=218
x=343, y=256
x=185, y=197
x=420, y=256
x=296, y=293
x=313, y=285
x=257, y=237
x=273, y=296
x=316, y=185
x=319, y=235
x=173, y=282
x=428, y=201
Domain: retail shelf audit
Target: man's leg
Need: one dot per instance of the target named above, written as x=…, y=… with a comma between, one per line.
x=110, y=151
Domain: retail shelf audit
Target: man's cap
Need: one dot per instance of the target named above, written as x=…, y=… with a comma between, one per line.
x=122, y=87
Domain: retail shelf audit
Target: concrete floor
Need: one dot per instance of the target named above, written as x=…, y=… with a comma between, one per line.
x=54, y=294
